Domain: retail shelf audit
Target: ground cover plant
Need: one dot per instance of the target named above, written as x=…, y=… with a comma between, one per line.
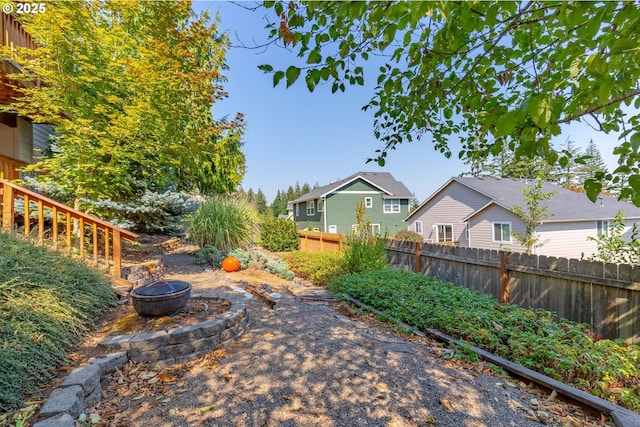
x=563, y=350
x=47, y=303
x=317, y=267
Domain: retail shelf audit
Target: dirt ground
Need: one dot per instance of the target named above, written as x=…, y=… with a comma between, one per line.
x=311, y=361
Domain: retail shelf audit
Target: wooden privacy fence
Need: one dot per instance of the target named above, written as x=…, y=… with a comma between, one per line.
x=605, y=296
x=316, y=241
x=55, y=220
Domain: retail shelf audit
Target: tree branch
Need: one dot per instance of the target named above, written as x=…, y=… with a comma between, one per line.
x=595, y=108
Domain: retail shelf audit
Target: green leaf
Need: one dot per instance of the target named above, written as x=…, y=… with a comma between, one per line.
x=593, y=189
x=314, y=57
x=277, y=8
x=540, y=110
x=292, y=75
x=635, y=141
x=277, y=76
x=265, y=67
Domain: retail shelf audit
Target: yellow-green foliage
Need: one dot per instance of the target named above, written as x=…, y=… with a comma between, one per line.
x=47, y=303
x=318, y=268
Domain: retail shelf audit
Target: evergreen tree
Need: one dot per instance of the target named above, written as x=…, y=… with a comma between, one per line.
x=593, y=162
x=261, y=202
x=567, y=175
x=251, y=196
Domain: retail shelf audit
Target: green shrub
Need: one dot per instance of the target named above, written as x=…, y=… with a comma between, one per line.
x=258, y=261
x=279, y=235
x=209, y=255
x=280, y=269
x=563, y=350
x=408, y=235
x=47, y=304
x=248, y=258
x=364, y=251
x=318, y=268
x=225, y=222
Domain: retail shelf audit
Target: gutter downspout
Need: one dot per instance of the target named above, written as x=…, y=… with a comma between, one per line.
x=324, y=212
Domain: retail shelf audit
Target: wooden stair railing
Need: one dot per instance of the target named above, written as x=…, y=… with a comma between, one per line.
x=64, y=216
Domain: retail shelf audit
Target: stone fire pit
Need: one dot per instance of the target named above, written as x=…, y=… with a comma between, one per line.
x=161, y=298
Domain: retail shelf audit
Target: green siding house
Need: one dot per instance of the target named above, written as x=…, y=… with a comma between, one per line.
x=332, y=208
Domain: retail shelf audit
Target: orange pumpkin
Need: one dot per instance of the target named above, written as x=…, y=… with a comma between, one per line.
x=230, y=264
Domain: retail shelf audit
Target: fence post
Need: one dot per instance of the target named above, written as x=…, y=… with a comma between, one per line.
x=418, y=258
x=504, y=277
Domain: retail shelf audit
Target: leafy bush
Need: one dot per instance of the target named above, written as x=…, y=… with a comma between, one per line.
x=225, y=222
x=317, y=267
x=249, y=258
x=47, y=303
x=279, y=235
x=280, y=269
x=260, y=262
x=364, y=251
x=563, y=350
x=408, y=235
x=209, y=255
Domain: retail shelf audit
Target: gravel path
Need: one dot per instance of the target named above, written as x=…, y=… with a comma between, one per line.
x=306, y=364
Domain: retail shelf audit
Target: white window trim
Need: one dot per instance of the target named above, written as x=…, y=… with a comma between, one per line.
x=437, y=239
x=297, y=209
x=493, y=233
x=600, y=227
x=368, y=202
x=391, y=204
x=415, y=227
x=320, y=205
x=373, y=229
x=311, y=208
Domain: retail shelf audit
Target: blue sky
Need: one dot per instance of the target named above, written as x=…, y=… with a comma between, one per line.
x=296, y=136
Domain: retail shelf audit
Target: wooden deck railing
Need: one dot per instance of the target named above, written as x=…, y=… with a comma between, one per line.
x=9, y=168
x=105, y=239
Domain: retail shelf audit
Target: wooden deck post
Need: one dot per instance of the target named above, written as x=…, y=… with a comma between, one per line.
x=8, y=214
x=504, y=277
x=117, y=270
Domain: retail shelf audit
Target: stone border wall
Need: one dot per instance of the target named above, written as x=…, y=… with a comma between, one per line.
x=82, y=387
x=185, y=342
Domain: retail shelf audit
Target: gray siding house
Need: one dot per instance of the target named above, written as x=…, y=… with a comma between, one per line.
x=332, y=208
x=476, y=213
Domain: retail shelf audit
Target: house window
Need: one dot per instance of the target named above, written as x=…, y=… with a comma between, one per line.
x=320, y=205
x=418, y=227
x=445, y=232
x=297, y=209
x=602, y=228
x=391, y=206
x=375, y=229
x=502, y=232
x=311, y=208
x=368, y=202
x=467, y=228
x=333, y=228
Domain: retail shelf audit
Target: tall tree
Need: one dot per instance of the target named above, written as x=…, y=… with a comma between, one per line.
x=481, y=73
x=567, y=175
x=261, y=202
x=129, y=87
x=592, y=163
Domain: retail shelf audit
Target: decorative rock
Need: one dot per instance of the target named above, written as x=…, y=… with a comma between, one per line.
x=87, y=377
x=275, y=295
x=64, y=400
x=110, y=362
x=61, y=420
